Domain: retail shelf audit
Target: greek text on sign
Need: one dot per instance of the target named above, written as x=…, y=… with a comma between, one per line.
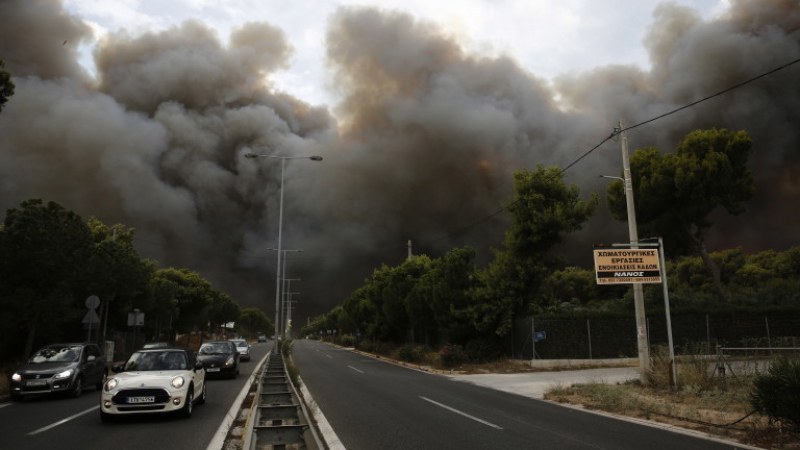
x=624, y=266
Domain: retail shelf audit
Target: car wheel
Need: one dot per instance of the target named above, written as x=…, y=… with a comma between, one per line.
x=202, y=398
x=77, y=388
x=106, y=417
x=102, y=381
x=186, y=411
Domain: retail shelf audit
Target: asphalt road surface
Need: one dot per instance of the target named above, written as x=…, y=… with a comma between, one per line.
x=55, y=423
x=372, y=404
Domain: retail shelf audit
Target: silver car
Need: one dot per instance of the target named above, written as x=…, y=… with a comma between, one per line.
x=60, y=368
x=243, y=348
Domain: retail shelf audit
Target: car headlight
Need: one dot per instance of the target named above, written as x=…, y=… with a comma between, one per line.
x=177, y=382
x=16, y=377
x=65, y=374
x=229, y=362
x=110, y=384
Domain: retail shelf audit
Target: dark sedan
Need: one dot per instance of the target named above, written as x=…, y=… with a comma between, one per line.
x=60, y=368
x=220, y=358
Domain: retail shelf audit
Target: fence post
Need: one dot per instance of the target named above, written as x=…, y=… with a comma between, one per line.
x=533, y=341
x=589, y=331
x=769, y=339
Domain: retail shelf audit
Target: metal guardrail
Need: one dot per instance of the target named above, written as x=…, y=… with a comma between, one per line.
x=279, y=419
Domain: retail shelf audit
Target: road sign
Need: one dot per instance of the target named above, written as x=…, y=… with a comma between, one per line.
x=92, y=302
x=91, y=318
x=627, y=266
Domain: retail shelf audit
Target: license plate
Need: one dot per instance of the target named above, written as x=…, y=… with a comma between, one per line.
x=37, y=382
x=149, y=399
x=212, y=369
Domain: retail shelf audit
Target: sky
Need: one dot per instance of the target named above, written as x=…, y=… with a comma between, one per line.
x=422, y=112
x=547, y=38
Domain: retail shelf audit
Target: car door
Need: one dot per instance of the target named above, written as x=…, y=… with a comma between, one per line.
x=92, y=364
x=198, y=375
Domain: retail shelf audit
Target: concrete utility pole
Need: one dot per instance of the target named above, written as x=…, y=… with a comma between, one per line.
x=638, y=292
x=409, y=250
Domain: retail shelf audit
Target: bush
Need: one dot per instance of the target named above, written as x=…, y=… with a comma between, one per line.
x=347, y=340
x=482, y=350
x=286, y=347
x=777, y=393
x=452, y=355
x=411, y=353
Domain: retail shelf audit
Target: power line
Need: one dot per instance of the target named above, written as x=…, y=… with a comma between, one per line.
x=616, y=132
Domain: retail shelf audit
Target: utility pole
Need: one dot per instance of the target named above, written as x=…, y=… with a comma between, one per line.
x=409, y=250
x=638, y=292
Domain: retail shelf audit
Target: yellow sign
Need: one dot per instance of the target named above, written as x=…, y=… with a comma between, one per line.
x=625, y=266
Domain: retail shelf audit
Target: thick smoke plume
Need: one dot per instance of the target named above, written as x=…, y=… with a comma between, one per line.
x=423, y=144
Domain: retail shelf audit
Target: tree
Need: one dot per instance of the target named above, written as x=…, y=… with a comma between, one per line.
x=117, y=274
x=44, y=249
x=222, y=309
x=192, y=297
x=6, y=85
x=254, y=320
x=675, y=193
x=445, y=290
x=544, y=212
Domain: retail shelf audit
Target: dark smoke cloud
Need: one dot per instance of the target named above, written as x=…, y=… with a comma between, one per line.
x=424, y=142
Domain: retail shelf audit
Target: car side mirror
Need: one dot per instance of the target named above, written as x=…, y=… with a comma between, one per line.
x=117, y=368
x=198, y=365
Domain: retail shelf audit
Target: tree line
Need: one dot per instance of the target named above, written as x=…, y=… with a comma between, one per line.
x=51, y=261
x=450, y=300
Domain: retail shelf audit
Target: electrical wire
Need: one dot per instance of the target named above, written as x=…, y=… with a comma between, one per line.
x=615, y=133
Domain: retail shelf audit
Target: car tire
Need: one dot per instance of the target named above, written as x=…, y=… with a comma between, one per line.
x=106, y=417
x=186, y=411
x=77, y=387
x=202, y=398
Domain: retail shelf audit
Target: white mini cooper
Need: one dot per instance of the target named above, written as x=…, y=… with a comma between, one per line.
x=159, y=380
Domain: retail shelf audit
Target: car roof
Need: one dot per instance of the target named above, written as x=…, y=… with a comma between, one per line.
x=66, y=344
x=216, y=342
x=162, y=349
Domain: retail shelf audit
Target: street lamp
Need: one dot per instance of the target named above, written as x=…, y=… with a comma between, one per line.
x=280, y=226
x=284, y=283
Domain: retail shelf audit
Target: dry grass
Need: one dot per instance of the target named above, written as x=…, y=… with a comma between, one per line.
x=701, y=402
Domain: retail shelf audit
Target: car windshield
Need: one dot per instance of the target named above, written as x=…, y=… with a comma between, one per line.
x=215, y=348
x=147, y=361
x=240, y=343
x=56, y=354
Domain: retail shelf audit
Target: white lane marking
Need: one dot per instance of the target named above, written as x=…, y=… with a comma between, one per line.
x=61, y=422
x=441, y=405
x=4, y=405
x=329, y=356
x=359, y=371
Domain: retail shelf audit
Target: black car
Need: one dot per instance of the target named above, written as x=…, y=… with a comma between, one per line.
x=60, y=368
x=219, y=358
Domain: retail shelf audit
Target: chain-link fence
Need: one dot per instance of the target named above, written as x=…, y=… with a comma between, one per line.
x=615, y=336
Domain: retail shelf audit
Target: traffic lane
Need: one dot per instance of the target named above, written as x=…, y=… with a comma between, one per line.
x=21, y=418
x=365, y=414
x=75, y=423
x=487, y=418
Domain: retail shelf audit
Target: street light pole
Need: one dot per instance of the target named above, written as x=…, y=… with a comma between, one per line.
x=280, y=229
x=280, y=325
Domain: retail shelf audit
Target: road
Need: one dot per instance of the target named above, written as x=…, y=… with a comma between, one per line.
x=53, y=423
x=373, y=404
